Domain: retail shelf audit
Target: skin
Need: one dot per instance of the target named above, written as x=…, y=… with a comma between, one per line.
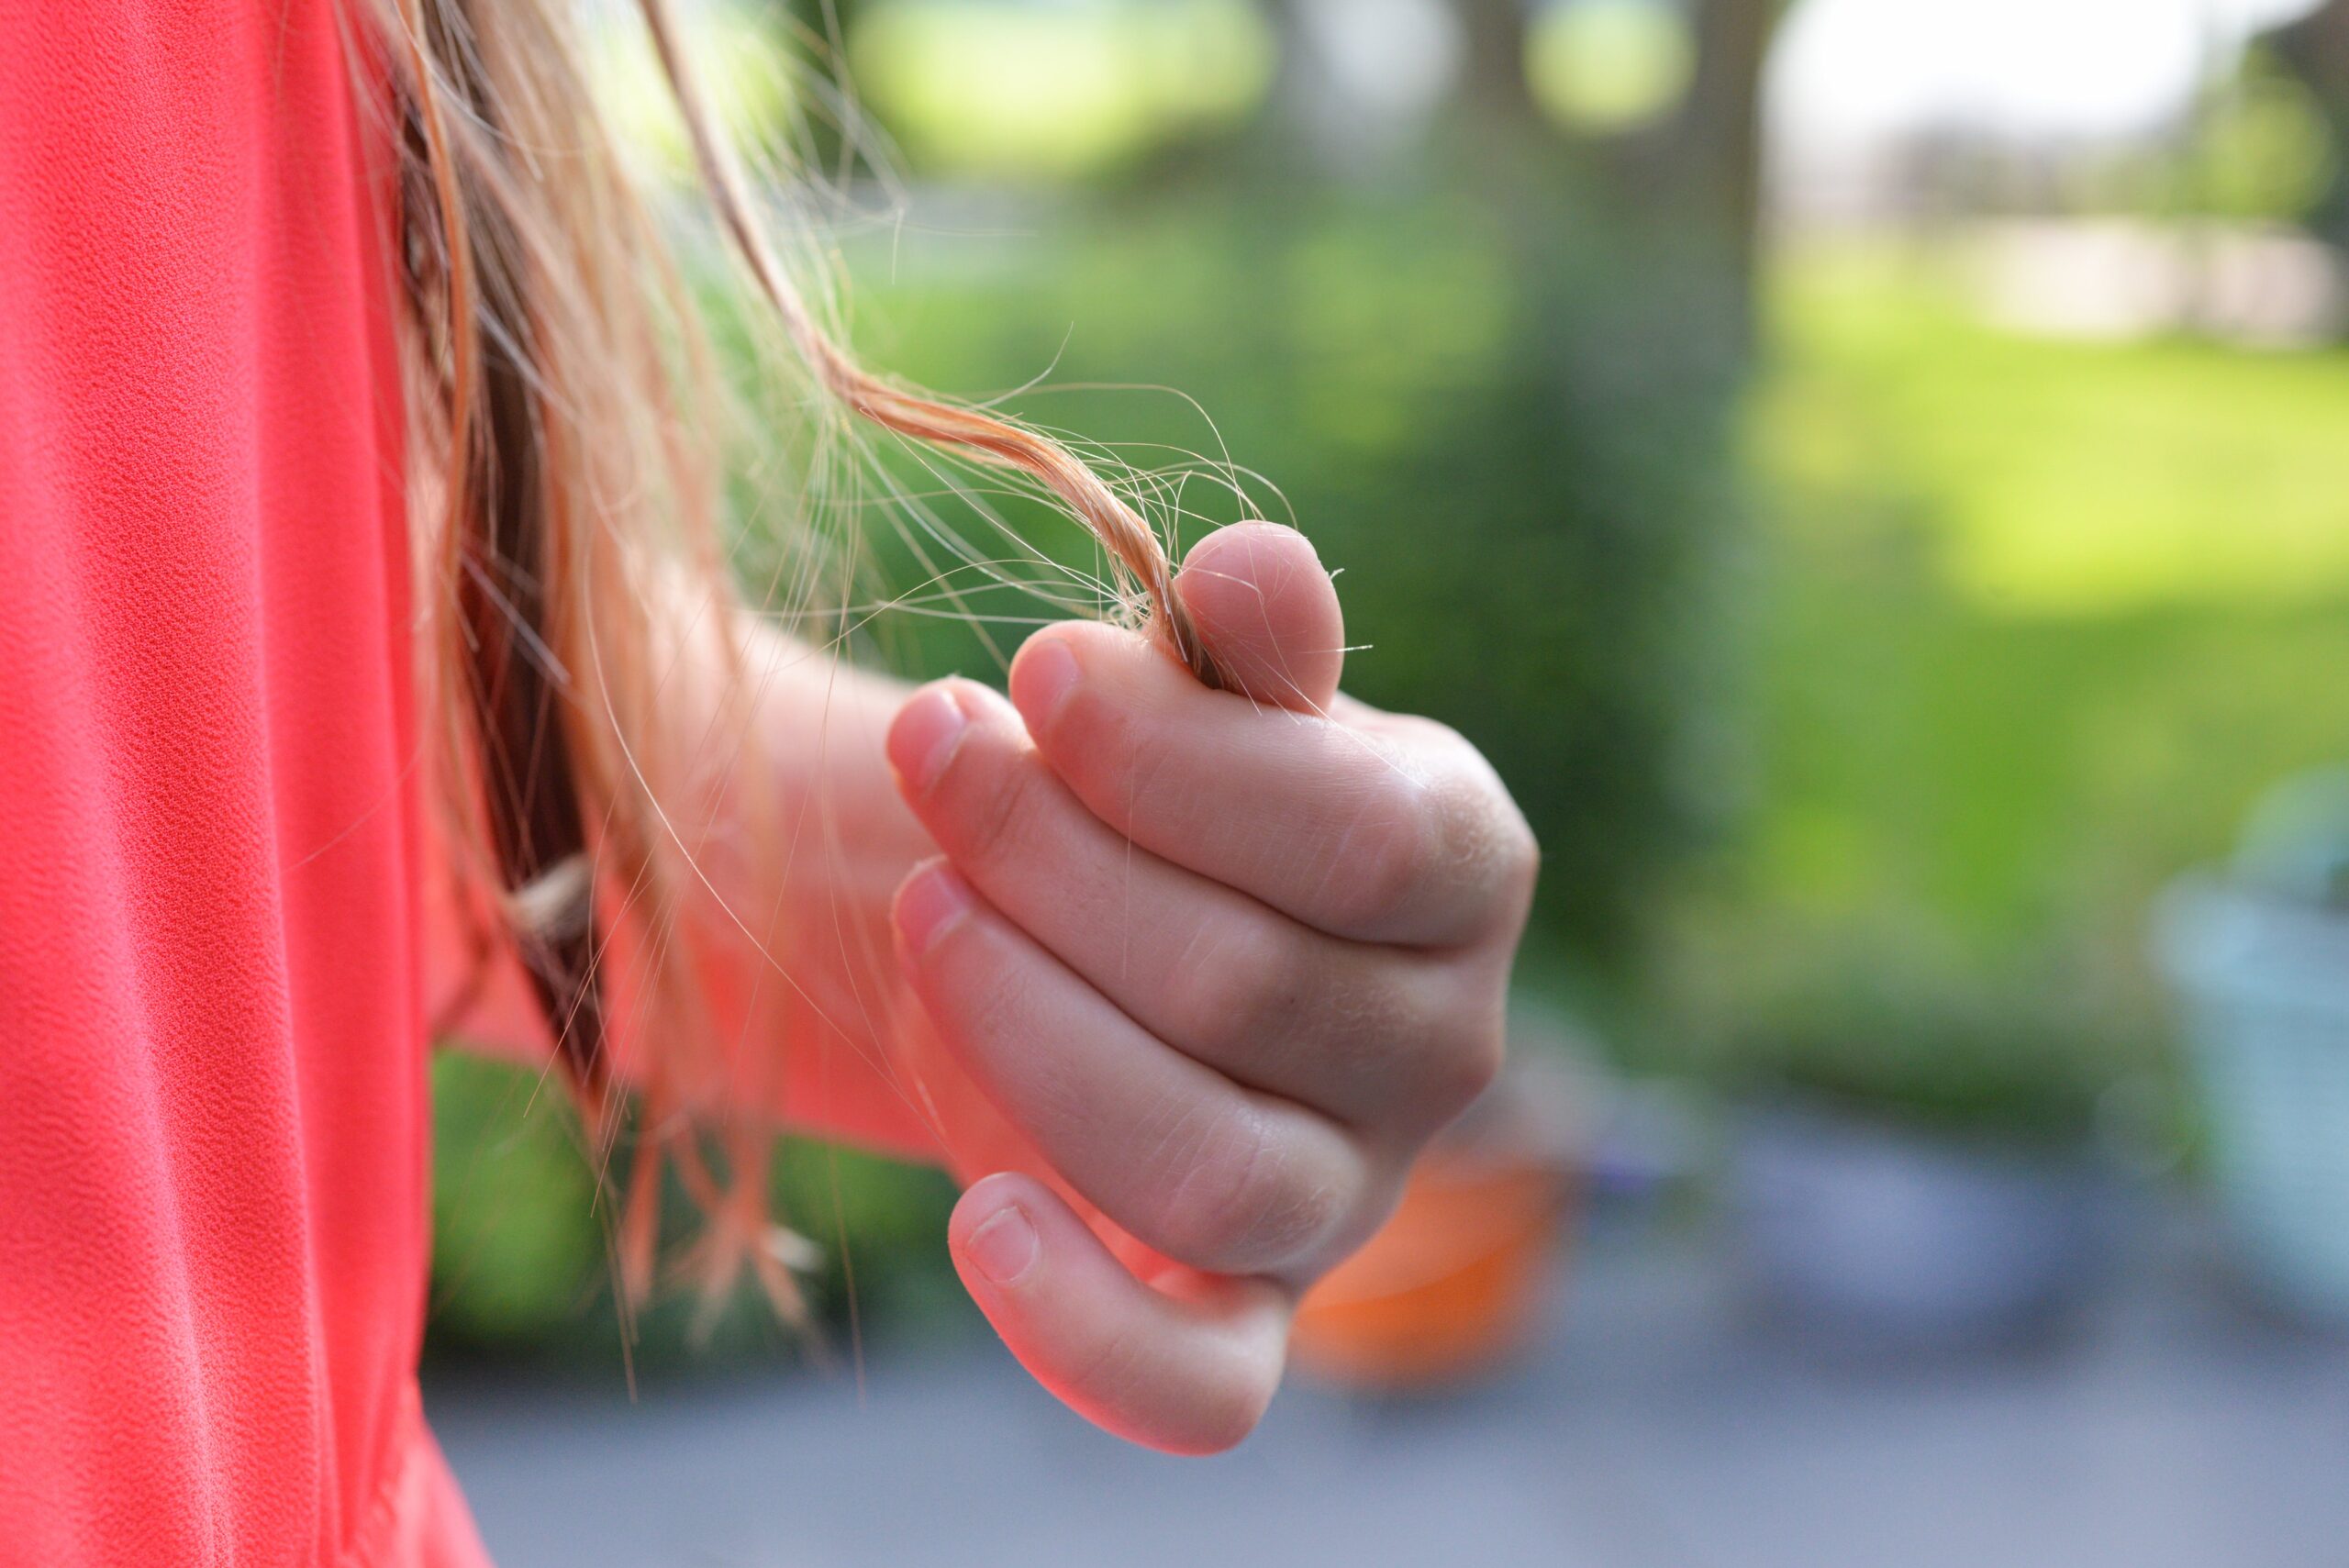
x=1178, y=980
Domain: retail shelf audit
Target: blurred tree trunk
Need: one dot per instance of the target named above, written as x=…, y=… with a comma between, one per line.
x=1700, y=171
x=2316, y=49
x=1720, y=132
x=1631, y=270
x=1300, y=103
x=1493, y=81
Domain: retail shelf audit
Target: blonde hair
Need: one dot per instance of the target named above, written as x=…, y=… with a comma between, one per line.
x=561, y=392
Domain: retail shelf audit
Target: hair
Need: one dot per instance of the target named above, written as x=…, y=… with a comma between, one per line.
x=566, y=496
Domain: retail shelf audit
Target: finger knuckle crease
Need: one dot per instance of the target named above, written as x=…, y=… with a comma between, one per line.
x=1236, y=1204
x=1237, y=991
x=995, y=824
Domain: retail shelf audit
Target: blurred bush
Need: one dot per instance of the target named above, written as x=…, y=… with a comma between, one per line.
x=976, y=89
x=520, y=1264
x=1871, y=1028
x=1522, y=470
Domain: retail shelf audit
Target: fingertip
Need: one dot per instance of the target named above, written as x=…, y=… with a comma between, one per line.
x=1043, y=673
x=991, y=1233
x=923, y=738
x=1268, y=613
x=1256, y=533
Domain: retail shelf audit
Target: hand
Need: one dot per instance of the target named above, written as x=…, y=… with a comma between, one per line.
x=1223, y=962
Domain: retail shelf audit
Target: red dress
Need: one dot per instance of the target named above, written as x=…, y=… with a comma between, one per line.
x=212, y=1112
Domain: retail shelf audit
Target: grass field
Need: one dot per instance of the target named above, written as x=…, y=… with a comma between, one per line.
x=2034, y=622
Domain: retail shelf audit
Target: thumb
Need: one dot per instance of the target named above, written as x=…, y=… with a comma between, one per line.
x=1268, y=614
x=1188, y=1369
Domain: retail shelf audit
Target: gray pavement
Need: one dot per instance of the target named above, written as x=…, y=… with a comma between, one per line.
x=2174, y=1425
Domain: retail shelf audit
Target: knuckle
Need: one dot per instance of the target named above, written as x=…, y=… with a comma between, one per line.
x=1518, y=854
x=1486, y=838
x=1396, y=1022
x=1000, y=809
x=1460, y=1071
x=1236, y=1204
x=1378, y=862
x=1445, y=829
x=1238, y=987
x=1525, y=852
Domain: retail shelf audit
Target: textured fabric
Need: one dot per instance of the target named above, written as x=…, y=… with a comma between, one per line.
x=213, y=1113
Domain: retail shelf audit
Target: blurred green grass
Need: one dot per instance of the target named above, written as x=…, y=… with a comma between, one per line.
x=2053, y=478
x=2035, y=621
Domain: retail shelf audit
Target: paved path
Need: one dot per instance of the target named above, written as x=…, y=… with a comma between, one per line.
x=1655, y=1428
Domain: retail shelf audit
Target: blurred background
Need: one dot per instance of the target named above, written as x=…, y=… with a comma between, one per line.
x=1873, y=475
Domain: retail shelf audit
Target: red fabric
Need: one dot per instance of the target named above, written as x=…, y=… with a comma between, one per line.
x=213, y=1113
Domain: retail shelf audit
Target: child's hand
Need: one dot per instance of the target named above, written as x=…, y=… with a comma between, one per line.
x=1223, y=960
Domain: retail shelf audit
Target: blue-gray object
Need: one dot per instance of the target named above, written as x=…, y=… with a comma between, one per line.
x=2295, y=843
x=1872, y=1238
x=2261, y=959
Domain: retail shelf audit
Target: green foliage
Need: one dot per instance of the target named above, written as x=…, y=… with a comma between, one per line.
x=515, y=1246
x=2045, y=481
x=1869, y=1029
x=520, y=1261
x=2261, y=151
x=2039, y=615
x=1030, y=91
x=1610, y=66
x=1514, y=446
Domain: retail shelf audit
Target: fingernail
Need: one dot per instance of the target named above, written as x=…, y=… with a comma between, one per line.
x=929, y=906
x=1041, y=677
x=1005, y=1247
x=923, y=737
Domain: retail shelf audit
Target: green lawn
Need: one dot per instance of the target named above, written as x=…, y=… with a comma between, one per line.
x=2059, y=478
x=2035, y=621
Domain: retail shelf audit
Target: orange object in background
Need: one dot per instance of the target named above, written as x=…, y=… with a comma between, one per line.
x=1456, y=1280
